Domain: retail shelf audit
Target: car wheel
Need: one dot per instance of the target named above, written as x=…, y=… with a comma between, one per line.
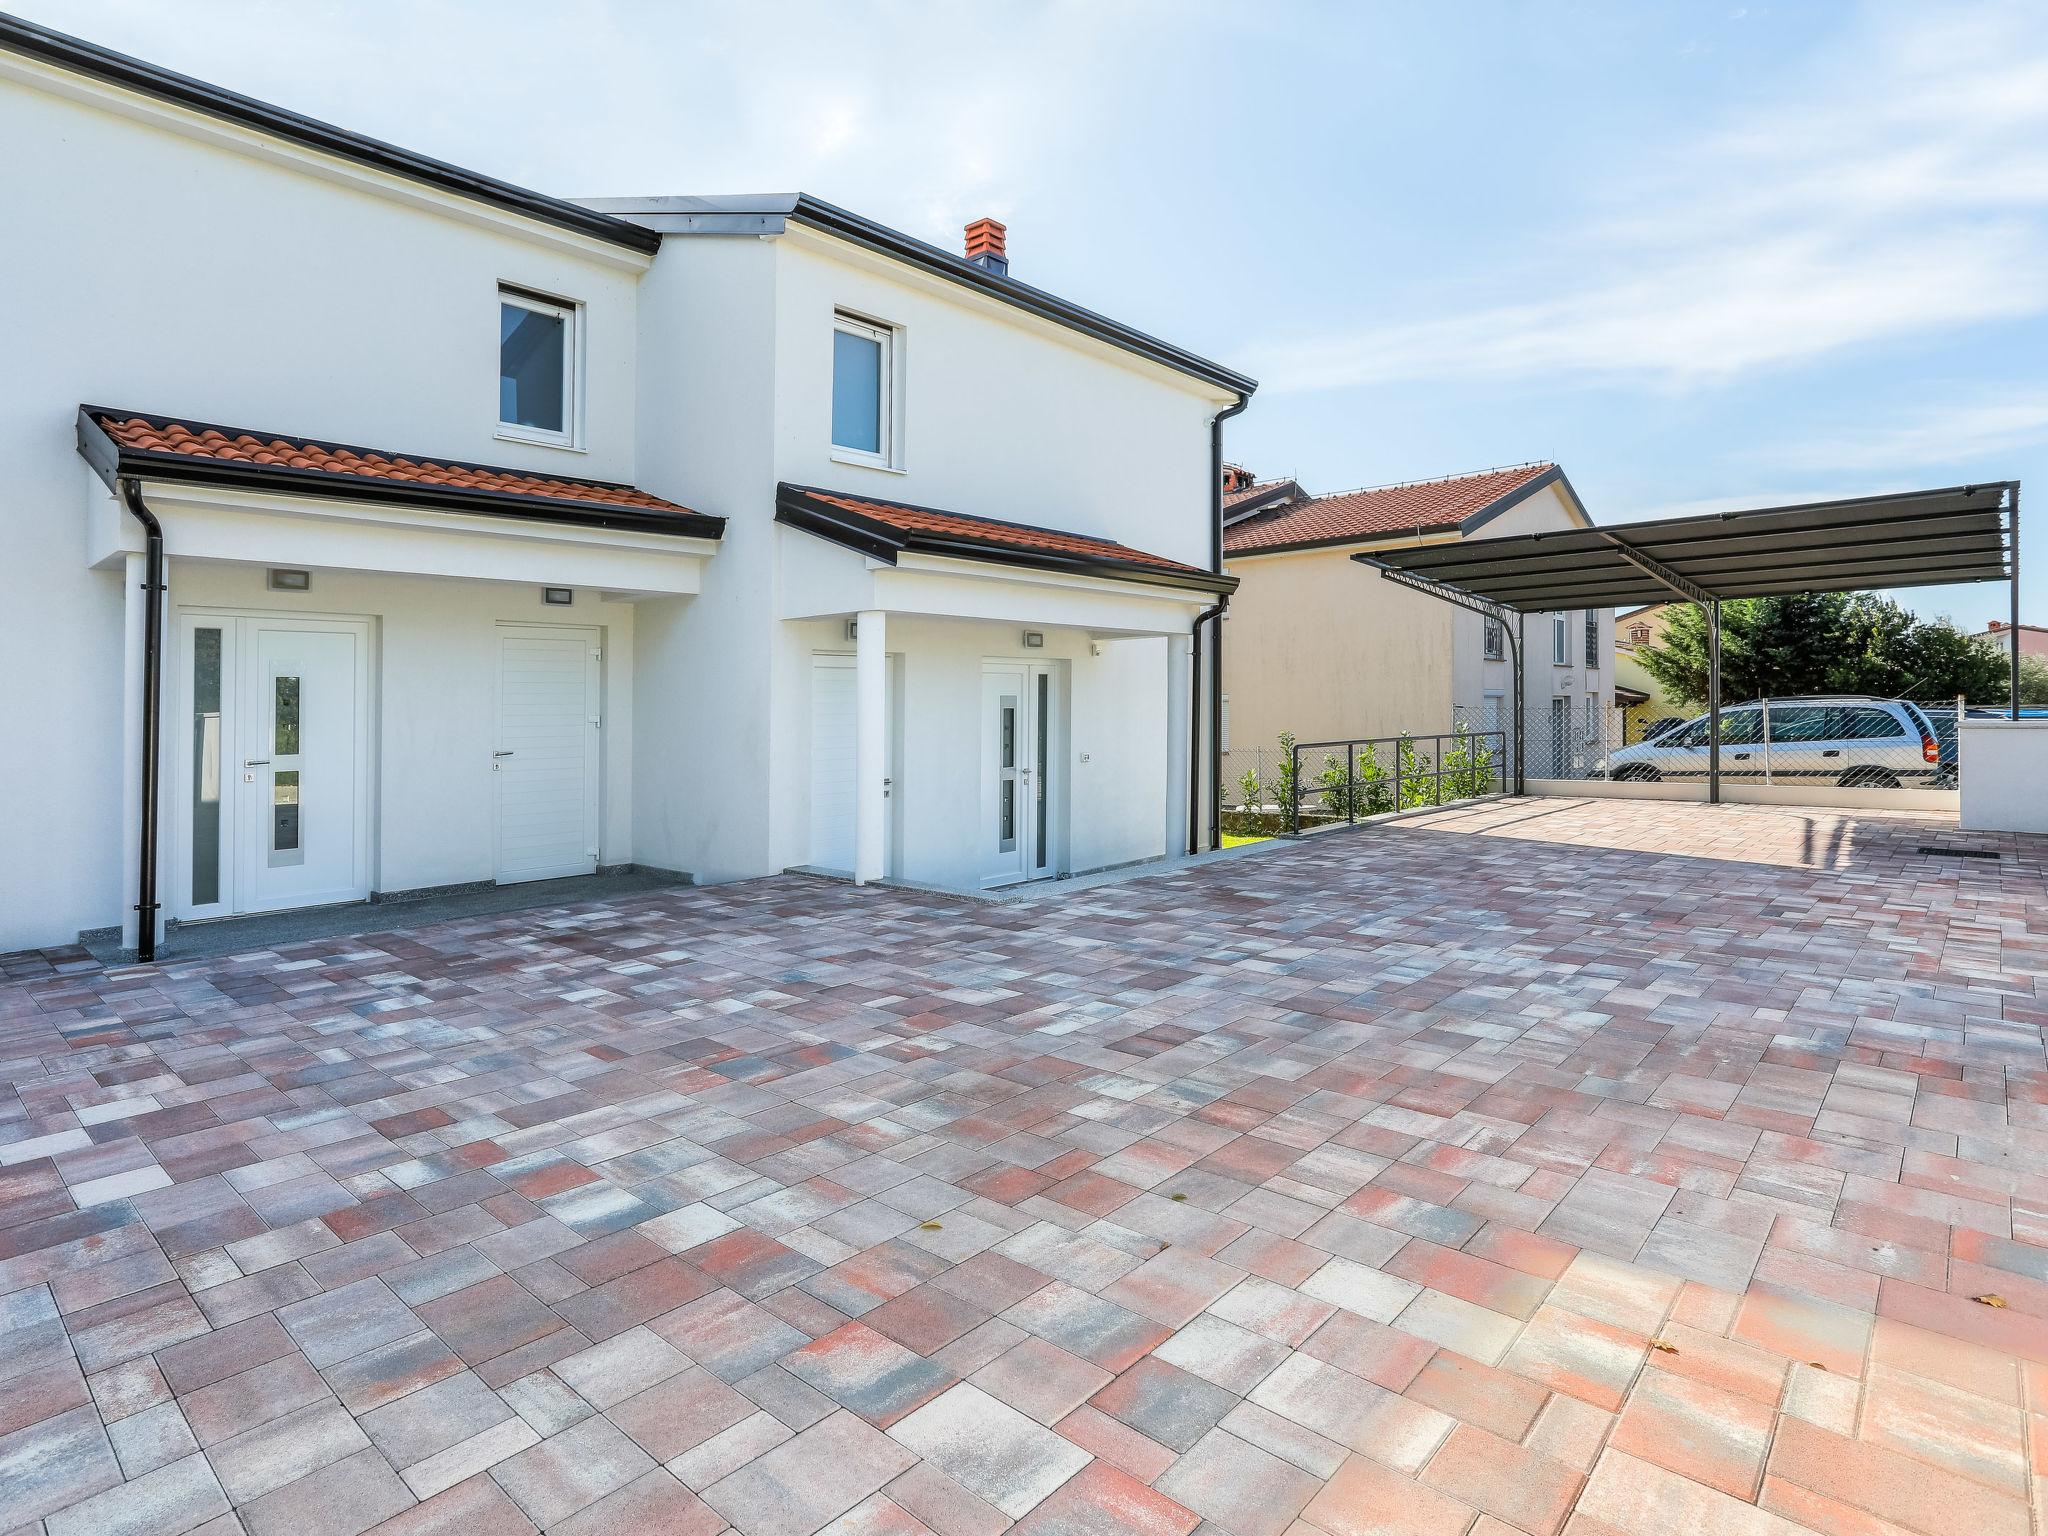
x=1870, y=778
x=1637, y=773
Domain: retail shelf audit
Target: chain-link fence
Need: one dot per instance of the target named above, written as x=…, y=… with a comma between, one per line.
x=1851, y=742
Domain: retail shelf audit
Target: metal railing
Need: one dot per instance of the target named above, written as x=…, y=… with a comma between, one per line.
x=1375, y=775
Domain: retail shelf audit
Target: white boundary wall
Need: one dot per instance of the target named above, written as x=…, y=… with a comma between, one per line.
x=2004, y=773
x=1828, y=796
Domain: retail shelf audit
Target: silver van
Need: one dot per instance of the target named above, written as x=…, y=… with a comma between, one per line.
x=1851, y=741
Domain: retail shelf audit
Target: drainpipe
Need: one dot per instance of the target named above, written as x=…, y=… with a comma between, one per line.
x=1195, y=727
x=152, y=710
x=1216, y=670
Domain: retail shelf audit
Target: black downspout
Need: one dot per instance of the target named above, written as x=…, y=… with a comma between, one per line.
x=1195, y=728
x=152, y=720
x=1216, y=668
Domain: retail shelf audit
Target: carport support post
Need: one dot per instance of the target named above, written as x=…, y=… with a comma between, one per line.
x=1714, y=702
x=2013, y=513
x=870, y=746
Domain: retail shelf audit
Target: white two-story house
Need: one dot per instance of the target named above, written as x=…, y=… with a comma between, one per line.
x=372, y=526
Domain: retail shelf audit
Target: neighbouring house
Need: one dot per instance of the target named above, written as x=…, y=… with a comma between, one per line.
x=2033, y=638
x=1638, y=697
x=777, y=539
x=1320, y=646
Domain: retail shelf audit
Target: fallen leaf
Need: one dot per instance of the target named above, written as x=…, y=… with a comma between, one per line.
x=1816, y=1365
x=1988, y=1299
x=1666, y=1346
x=933, y=1226
x=1180, y=1197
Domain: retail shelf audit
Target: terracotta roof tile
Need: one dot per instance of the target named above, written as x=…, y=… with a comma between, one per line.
x=1418, y=507
x=985, y=530
x=158, y=435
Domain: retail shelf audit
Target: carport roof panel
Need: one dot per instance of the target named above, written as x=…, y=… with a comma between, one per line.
x=1906, y=539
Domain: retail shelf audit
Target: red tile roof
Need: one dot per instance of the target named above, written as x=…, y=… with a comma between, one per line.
x=173, y=441
x=1250, y=490
x=1426, y=506
x=931, y=530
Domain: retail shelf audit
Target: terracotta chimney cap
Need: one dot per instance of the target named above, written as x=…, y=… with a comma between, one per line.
x=987, y=246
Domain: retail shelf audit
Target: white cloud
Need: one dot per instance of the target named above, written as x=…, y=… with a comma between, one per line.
x=1974, y=433
x=1900, y=188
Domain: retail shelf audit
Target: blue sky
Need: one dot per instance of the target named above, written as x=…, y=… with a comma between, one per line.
x=1702, y=255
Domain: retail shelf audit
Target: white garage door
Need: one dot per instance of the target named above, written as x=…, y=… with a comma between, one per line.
x=545, y=765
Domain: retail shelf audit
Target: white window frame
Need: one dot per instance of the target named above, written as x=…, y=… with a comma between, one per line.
x=1560, y=641
x=889, y=435
x=570, y=313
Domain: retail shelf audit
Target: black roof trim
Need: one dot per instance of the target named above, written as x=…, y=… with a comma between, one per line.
x=1262, y=499
x=800, y=506
x=81, y=57
x=768, y=213
x=112, y=462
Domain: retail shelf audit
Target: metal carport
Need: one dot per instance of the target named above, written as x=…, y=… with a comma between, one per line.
x=1964, y=533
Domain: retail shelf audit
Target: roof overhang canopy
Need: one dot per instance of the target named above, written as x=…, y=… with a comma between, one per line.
x=1907, y=539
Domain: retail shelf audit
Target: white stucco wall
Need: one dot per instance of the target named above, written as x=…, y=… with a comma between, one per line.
x=2003, y=764
x=172, y=275
x=433, y=697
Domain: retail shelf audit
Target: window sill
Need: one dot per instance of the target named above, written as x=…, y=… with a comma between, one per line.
x=864, y=461
x=531, y=440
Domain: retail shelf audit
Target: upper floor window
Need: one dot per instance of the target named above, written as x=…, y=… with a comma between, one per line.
x=1560, y=641
x=536, y=367
x=1592, y=637
x=863, y=388
x=1496, y=647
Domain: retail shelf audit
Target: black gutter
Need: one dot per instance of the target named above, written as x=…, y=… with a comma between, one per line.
x=152, y=712
x=1216, y=667
x=798, y=507
x=83, y=58
x=111, y=462
x=831, y=220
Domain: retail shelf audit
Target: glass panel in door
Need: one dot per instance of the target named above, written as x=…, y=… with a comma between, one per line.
x=207, y=659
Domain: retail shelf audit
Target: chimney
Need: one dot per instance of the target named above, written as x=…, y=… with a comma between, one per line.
x=1997, y=624
x=985, y=247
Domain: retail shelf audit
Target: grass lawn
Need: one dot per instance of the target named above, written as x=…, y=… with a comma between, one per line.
x=1232, y=840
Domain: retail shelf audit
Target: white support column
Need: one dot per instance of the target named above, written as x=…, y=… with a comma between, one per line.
x=134, y=575
x=1178, y=650
x=870, y=746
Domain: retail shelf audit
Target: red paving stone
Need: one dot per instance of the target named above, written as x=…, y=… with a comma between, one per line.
x=1544, y=1166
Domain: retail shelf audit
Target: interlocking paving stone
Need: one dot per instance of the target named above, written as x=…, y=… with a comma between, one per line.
x=1509, y=1167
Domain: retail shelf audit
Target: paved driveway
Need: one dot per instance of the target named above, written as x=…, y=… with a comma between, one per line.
x=1447, y=1177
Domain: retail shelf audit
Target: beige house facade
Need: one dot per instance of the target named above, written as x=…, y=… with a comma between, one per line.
x=1321, y=647
x=1643, y=702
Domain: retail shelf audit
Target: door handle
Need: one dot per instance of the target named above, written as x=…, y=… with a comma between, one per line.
x=255, y=762
x=1742, y=757
x=501, y=754
x=1832, y=752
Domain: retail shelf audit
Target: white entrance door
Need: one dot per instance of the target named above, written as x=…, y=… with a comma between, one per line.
x=832, y=764
x=1020, y=753
x=545, y=763
x=273, y=768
